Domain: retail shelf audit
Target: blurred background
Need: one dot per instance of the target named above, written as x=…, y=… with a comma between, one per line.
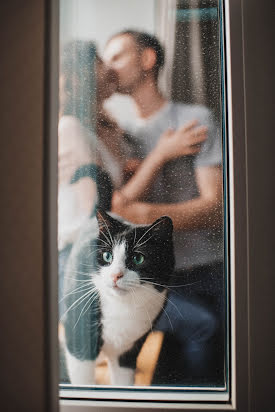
x=188, y=29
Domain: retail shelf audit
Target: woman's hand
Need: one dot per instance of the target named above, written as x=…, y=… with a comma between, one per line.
x=130, y=168
x=185, y=141
x=119, y=201
x=66, y=166
x=135, y=212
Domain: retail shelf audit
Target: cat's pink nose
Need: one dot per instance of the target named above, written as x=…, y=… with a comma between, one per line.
x=117, y=276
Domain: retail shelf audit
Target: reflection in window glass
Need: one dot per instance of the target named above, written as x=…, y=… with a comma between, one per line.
x=140, y=204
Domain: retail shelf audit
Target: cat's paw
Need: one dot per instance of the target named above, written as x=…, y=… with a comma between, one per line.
x=80, y=372
x=123, y=377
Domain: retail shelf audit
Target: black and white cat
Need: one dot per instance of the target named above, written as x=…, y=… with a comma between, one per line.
x=114, y=292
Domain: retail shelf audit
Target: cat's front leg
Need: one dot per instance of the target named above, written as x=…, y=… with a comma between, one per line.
x=80, y=372
x=119, y=375
x=123, y=367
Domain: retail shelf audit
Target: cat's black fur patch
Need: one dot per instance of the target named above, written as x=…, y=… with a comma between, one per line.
x=129, y=358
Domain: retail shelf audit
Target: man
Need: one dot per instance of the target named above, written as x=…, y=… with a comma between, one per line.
x=188, y=189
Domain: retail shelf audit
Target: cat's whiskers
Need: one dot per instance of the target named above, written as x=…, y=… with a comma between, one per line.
x=77, y=302
x=101, y=240
x=89, y=302
x=145, y=307
x=158, y=284
x=138, y=251
x=77, y=280
x=129, y=284
x=95, y=251
x=135, y=235
x=166, y=298
x=111, y=238
x=87, y=266
x=157, y=294
x=135, y=302
x=136, y=284
x=173, y=286
x=83, y=296
x=78, y=272
x=79, y=289
x=147, y=231
x=183, y=285
x=143, y=243
x=109, y=241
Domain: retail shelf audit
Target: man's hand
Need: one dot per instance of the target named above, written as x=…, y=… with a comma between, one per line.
x=186, y=140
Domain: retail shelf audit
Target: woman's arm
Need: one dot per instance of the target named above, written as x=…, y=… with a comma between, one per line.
x=74, y=147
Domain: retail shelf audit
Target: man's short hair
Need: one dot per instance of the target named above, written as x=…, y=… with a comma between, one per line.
x=146, y=41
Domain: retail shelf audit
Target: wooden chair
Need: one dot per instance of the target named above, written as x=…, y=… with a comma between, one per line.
x=146, y=361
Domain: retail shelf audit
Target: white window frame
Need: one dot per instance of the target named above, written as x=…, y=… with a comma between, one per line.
x=220, y=396
x=29, y=343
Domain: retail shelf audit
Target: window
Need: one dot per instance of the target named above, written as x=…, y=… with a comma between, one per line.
x=134, y=149
x=240, y=297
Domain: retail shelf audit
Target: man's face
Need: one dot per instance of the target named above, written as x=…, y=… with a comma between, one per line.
x=122, y=55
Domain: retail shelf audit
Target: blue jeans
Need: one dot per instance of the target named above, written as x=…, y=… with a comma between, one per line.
x=194, y=316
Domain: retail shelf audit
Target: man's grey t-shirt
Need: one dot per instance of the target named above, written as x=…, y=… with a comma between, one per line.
x=177, y=180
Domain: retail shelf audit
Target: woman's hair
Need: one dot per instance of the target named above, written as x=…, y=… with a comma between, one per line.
x=78, y=70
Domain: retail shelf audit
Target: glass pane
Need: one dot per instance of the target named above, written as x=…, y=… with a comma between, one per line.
x=141, y=209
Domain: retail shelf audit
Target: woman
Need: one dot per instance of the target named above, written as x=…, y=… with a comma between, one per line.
x=79, y=160
x=80, y=171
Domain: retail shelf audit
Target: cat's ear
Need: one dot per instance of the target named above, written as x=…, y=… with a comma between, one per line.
x=106, y=222
x=162, y=228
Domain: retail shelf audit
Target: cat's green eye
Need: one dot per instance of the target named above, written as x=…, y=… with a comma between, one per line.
x=107, y=257
x=138, y=259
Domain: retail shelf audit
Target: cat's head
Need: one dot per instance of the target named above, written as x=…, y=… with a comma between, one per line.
x=130, y=256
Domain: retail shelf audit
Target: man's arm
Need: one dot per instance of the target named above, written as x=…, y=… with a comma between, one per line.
x=205, y=211
x=172, y=144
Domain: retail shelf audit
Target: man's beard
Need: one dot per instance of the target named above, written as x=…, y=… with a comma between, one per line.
x=131, y=88
x=122, y=89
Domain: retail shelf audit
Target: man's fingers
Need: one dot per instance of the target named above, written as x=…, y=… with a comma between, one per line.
x=194, y=149
x=198, y=135
x=200, y=129
x=191, y=130
x=168, y=132
x=188, y=126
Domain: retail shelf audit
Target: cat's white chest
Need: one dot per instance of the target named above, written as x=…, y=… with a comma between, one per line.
x=126, y=319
